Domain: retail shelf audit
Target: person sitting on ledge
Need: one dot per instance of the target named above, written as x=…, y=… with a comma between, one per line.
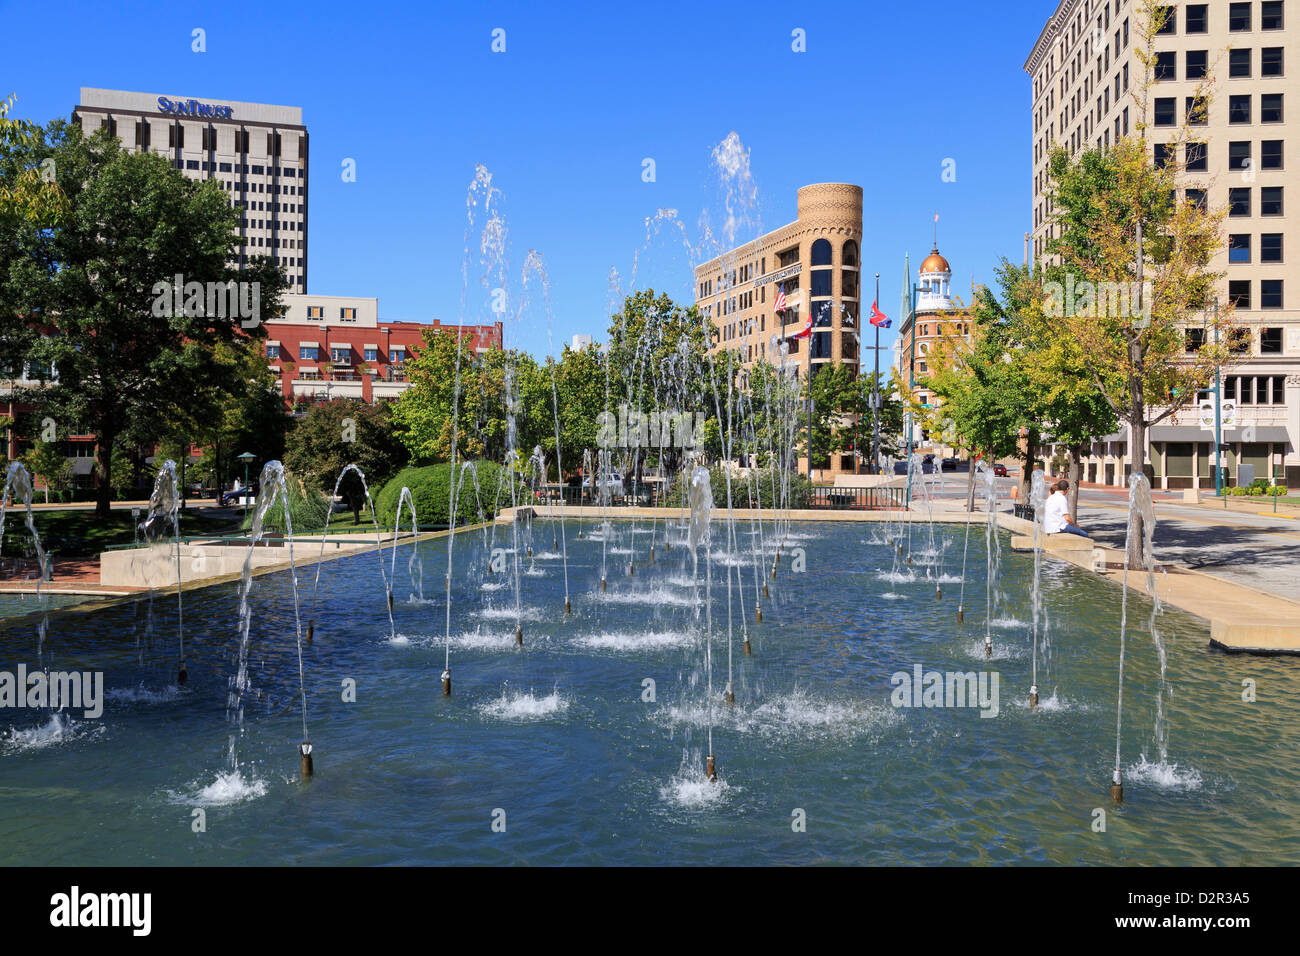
x=1058, y=518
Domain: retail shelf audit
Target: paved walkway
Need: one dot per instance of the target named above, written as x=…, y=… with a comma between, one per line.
x=1259, y=551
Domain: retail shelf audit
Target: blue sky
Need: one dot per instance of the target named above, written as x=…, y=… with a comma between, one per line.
x=883, y=95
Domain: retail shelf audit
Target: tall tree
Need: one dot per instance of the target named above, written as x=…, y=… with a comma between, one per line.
x=1134, y=239
x=124, y=358
x=339, y=433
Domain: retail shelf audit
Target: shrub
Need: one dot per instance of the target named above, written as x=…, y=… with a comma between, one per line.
x=1278, y=491
x=307, y=509
x=764, y=481
x=431, y=488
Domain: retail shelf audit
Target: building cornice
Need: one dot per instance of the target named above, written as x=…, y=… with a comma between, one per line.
x=1051, y=31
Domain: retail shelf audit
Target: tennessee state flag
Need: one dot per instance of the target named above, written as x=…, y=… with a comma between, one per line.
x=805, y=331
x=879, y=318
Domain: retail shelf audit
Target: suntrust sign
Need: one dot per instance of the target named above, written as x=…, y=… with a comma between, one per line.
x=193, y=108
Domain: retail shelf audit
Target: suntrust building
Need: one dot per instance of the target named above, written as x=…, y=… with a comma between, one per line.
x=257, y=152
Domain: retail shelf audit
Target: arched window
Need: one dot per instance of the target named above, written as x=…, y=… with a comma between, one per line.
x=850, y=253
x=821, y=252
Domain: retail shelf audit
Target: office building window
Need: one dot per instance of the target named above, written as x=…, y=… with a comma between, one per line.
x=308, y=352
x=1195, y=339
x=1270, y=247
x=1167, y=18
x=1163, y=154
x=1238, y=17
x=1270, y=201
x=272, y=351
x=1198, y=111
x=315, y=312
x=1270, y=15
x=1270, y=293
x=1239, y=108
x=1239, y=63
x=1239, y=293
x=1270, y=341
x=1197, y=198
x=1239, y=201
x=1166, y=111
x=1239, y=247
x=1270, y=154
x=1166, y=66
x=1197, y=18
x=1239, y=155
x=397, y=355
x=1270, y=61
x=1196, y=64
x=341, y=356
x=371, y=355
x=348, y=315
x=1197, y=157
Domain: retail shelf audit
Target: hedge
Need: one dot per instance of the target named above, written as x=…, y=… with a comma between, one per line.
x=765, y=479
x=431, y=490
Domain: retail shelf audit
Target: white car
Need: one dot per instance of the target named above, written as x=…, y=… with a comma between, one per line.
x=610, y=483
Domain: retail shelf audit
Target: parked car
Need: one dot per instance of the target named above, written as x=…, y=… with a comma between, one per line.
x=236, y=495
x=610, y=483
x=999, y=471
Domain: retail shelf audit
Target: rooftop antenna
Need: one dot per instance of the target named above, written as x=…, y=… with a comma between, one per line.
x=936, y=232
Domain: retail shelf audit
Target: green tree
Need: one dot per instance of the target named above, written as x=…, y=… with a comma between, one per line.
x=99, y=280
x=1119, y=217
x=47, y=461
x=339, y=433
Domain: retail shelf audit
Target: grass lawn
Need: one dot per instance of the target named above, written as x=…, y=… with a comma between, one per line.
x=69, y=533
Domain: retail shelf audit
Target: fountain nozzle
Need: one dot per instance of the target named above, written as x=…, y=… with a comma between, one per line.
x=730, y=695
x=519, y=635
x=758, y=613
x=711, y=769
x=652, y=553
x=1033, y=696
x=1116, y=788
x=311, y=630
x=602, y=585
x=446, y=682
x=390, y=600
x=305, y=749
x=961, y=614
x=568, y=608
x=748, y=650
x=988, y=649
x=938, y=592
x=631, y=569
x=182, y=675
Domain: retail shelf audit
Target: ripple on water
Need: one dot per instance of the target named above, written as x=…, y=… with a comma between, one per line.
x=691, y=789
x=1164, y=775
x=793, y=715
x=143, y=695
x=228, y=788
x=59, y=729
x=643, y=641
x=517, y=705
x=656, y=595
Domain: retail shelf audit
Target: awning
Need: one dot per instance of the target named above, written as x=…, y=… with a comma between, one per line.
x=272, y=341
x=274, y=368
x=370, y=345
x=307, y=368
x=1237, y=433
x=341, y=345
x=309, y=345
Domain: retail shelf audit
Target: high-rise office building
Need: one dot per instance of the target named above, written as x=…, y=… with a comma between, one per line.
x=258, y=153
x=1085, y=71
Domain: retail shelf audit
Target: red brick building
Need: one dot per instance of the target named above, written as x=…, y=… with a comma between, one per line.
x=326, y=347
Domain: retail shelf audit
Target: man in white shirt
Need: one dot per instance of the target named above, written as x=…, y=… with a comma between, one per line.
x=1057, y=518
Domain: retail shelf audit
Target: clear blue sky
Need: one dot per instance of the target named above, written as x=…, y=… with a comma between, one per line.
x=563, y=119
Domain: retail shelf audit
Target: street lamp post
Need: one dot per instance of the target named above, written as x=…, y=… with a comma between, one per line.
x=875, y=392
x=1218, y=413
x=911, y=381
x=246, y=457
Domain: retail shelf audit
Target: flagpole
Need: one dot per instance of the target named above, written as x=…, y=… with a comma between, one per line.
x=808, y=299
x=875, y=390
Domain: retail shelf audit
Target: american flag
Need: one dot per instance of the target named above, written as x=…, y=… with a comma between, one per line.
x=780, y=299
